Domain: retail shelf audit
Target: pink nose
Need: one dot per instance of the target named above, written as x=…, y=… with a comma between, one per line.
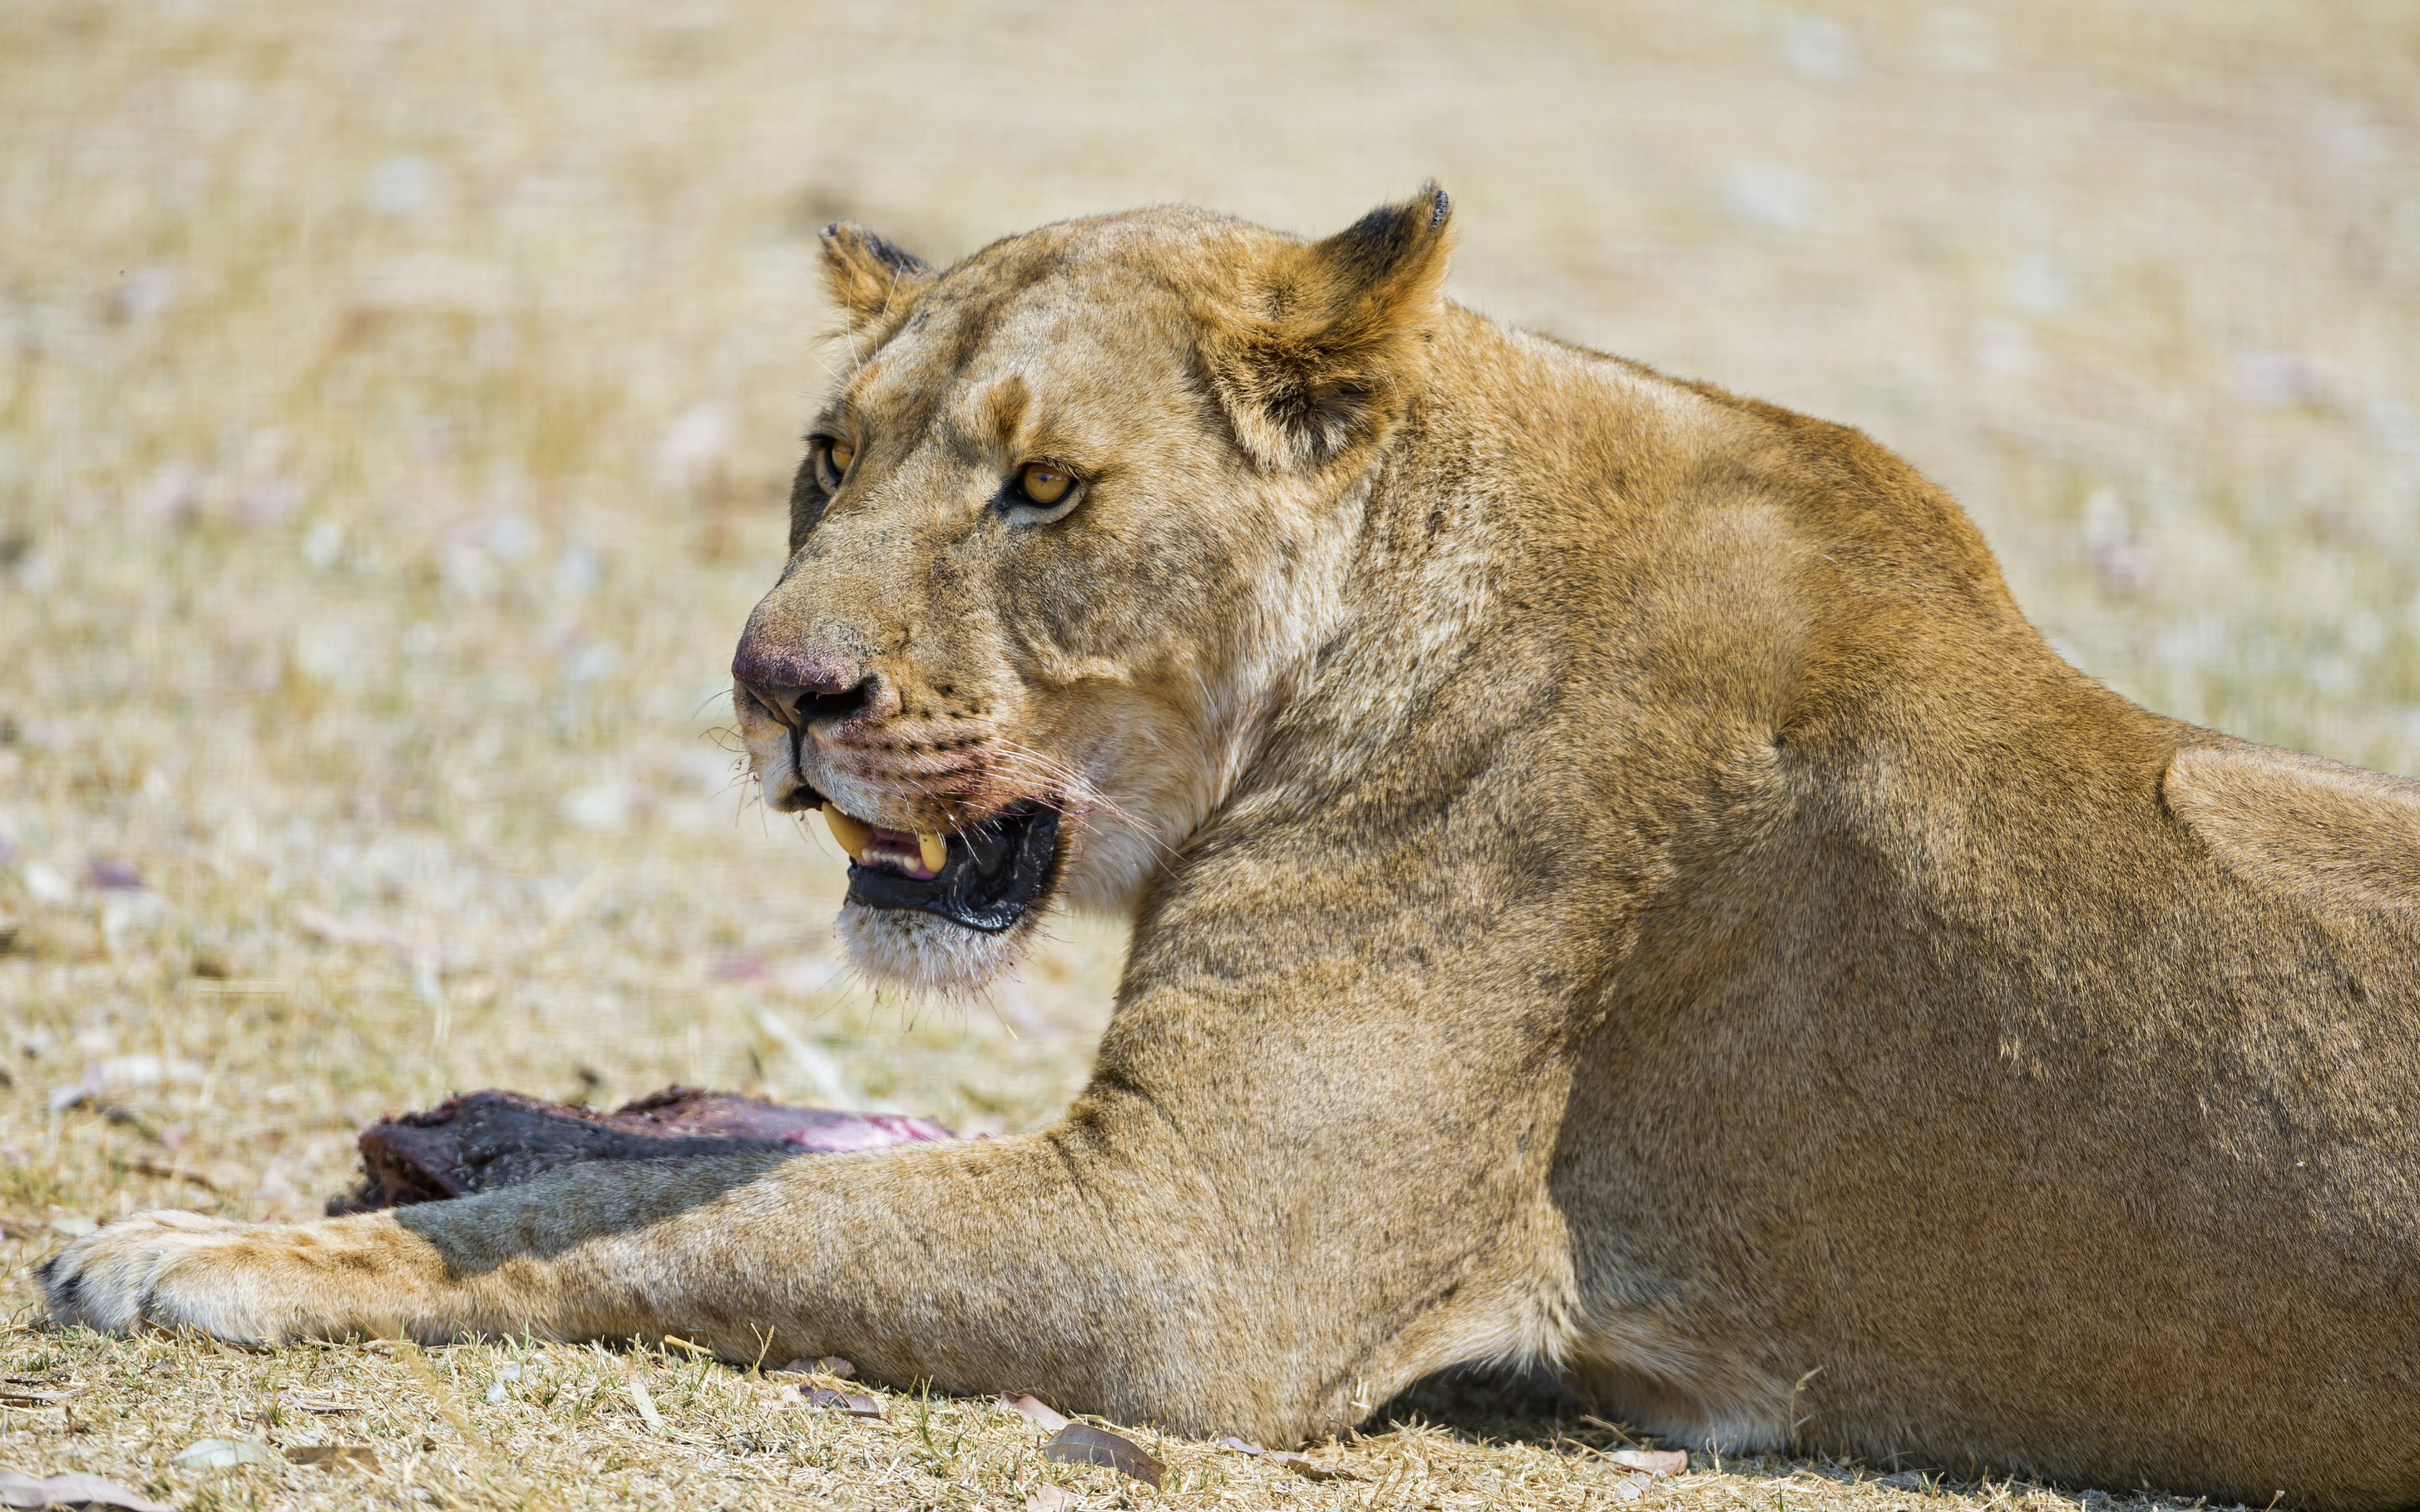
x=797, y=691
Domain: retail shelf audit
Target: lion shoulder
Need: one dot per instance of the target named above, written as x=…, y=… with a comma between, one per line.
x=2332, y=835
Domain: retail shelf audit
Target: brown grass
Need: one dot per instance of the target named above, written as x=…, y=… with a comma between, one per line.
x=395, y=405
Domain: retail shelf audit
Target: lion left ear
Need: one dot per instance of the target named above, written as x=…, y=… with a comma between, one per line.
x=1344, y=334
x=871, y=279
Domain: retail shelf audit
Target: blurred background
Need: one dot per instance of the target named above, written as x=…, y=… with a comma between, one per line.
x=397, y=402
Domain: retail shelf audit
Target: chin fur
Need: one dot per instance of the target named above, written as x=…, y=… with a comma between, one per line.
x=900, y=948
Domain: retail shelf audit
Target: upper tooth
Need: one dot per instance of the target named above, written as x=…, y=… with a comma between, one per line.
x=850, y=832
x=936, y=853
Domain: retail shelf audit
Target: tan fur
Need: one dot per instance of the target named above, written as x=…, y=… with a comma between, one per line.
x=1617, y=886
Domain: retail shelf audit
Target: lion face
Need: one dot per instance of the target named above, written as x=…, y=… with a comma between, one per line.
x=1043, y=587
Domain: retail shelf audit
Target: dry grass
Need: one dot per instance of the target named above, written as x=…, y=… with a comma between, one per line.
x=395, y=404
x=552, y=1425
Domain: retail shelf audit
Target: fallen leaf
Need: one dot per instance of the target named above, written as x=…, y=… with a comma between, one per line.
x=29, y=1396
x=146, y=1165
x=22, y=1491
x=1035, y=1408
x=1052, y=1498
x=823, y=1397
x=110, y=874
x=1309, y=1469
x=333, y=931
x=1303, y=1465
x=118, y=1072
x=646, y=1406
x=47, y=883
x=739, y=968
x=335, y=1456
x=1654, y=1461
x=1080, y=1443
x=224, y=1454
x=822, y=1365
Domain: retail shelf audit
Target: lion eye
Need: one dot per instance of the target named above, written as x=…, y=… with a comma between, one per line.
x=830, y=458
x=1043, y=484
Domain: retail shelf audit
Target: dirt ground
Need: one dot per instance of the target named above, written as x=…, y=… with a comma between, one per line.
x=395, y=407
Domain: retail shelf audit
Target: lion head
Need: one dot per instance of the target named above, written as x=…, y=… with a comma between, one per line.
x=1080, y=509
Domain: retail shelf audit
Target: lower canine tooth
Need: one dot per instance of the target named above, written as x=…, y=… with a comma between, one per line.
x=936, y=853
x=851, y=835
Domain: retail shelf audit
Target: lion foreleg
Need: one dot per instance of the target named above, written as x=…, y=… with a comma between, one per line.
x=980, y=1266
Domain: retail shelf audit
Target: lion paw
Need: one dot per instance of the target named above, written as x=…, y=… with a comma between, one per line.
x=168, y=1270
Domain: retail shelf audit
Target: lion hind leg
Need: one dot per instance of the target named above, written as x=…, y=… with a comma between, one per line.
x=1682, y=1392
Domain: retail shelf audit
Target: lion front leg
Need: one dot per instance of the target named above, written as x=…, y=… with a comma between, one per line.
x=977, y=1266
x=1093, y=1265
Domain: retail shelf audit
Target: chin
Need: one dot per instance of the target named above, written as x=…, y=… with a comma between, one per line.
x=923, y=952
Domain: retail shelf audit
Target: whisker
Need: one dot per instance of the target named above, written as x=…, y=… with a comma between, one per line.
x=1068, y=778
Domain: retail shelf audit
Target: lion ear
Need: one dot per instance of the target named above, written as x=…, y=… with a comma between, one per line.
x=869, y=277
x=1342, y=333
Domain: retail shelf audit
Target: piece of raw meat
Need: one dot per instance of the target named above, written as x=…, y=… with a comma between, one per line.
x=479, y=1141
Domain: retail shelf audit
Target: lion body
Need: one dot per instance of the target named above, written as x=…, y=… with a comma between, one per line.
x=1618, y=887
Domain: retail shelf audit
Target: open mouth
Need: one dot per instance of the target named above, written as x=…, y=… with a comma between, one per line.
x=985, y=877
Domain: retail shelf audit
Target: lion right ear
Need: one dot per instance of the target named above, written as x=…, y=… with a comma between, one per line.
x=868, y=277
x=1339, y=335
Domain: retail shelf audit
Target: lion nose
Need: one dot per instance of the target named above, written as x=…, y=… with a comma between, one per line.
x=797, y=693
x=799, y=707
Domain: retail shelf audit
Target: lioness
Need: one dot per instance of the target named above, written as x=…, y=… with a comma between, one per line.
x=1617, y=886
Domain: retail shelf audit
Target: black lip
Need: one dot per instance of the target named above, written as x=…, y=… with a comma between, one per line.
x=996, y=872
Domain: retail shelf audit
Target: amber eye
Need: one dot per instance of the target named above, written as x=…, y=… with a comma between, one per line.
x=831, y=458
x=1043, y=484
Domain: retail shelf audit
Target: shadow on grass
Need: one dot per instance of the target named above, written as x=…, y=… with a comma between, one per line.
x=1486, y=1409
